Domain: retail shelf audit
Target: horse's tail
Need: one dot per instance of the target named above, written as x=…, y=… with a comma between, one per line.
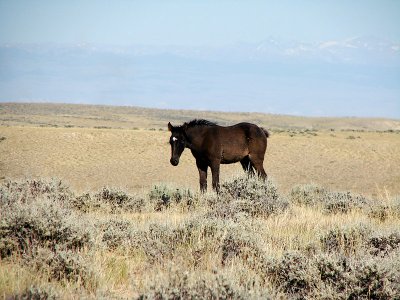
x=265, y=131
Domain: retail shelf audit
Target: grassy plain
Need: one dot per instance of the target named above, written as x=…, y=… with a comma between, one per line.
x=75, y=240
x=93, y=146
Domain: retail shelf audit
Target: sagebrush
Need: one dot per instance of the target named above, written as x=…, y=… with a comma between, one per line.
x=247, y=242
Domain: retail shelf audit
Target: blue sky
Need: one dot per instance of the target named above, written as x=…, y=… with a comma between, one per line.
x=194, y=22
x=327, y=58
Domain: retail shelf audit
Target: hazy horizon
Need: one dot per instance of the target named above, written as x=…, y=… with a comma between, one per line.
x=320, y=58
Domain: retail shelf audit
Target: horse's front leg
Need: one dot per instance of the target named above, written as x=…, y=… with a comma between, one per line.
x=215, y=175
x=202, y=167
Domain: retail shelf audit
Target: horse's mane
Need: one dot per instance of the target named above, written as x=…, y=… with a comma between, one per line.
x=200, y=122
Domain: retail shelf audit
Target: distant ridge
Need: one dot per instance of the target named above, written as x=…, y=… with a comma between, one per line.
x=128, y=117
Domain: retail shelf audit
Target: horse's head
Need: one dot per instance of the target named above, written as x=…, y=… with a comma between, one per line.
x=177, y=142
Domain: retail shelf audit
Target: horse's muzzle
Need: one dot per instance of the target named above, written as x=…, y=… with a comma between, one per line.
x=174, y=161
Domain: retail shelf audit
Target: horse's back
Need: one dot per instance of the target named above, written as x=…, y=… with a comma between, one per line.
x=256, y=138
x=242, y=139
x=252, y=131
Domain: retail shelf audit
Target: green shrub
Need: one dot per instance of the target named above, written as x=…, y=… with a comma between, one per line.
x=157, y=242
x=330, y=202
x=343, y=202
x=333, y=271
x=116, y=233
x=36, y=293
x=44, y=223
x=207, y=228
x=375, y=279
x=249, y=187
x=294, y=273
x=248, y=195
x=160, y=241
x=28, y=190
x=162, y=197
x=117, y=200
x=60, y=265
x=8, y=245
x=383, y=243
x=180, y=285
x=243, y=244
x=345, y=239
x=334, y=276
x=381, y=211
x=359, y=277
x=309, y=194
x=85, y=203
x=395, y=206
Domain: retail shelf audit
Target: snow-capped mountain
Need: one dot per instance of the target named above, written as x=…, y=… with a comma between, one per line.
x=357, y=50
x=352, y=50
x=275, y=75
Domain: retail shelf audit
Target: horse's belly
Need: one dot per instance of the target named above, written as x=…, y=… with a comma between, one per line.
x=230, y=158
x=233, y=150
x=230, y=161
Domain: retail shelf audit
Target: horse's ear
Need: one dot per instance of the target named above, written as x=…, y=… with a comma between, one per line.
x=170, y=126
x=185, y=126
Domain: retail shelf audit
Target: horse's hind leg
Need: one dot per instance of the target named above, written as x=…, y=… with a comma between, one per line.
x=247, y=165
x=258, y=166
x=257, y=148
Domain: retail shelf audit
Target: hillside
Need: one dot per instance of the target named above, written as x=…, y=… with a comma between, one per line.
x=127, y=117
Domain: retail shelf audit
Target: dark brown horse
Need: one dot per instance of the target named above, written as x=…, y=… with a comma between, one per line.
x=212, y=145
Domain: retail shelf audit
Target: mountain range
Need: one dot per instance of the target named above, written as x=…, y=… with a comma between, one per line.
x=356, y=76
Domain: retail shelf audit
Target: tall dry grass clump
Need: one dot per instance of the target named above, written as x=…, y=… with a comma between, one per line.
x=247, y=242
